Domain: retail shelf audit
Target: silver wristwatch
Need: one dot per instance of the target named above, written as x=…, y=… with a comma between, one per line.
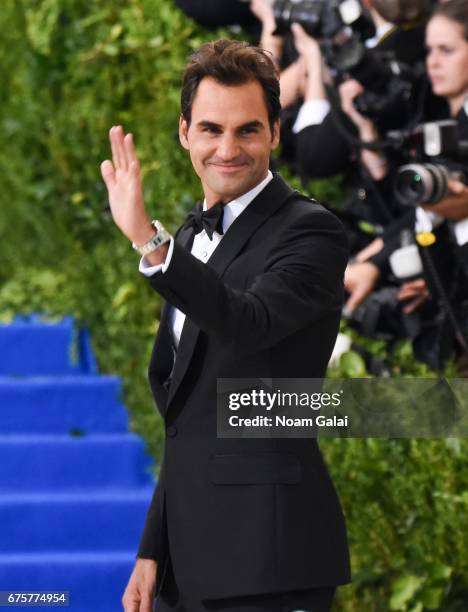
x=160, y=237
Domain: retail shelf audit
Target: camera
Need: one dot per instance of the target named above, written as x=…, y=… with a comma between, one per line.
x=319, y=18
x=342, y=26
x=439, y=156
x=390, y=86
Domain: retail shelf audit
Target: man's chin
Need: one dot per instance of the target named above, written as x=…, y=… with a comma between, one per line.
x=229, y=188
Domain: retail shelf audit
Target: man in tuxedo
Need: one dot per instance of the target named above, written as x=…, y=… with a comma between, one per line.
x=253, y=284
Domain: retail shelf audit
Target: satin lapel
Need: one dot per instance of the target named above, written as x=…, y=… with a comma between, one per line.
x=162, y=355
x=185, y=238
x=256, y=213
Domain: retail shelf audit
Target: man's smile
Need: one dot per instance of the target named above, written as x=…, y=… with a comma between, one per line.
x=228, y=168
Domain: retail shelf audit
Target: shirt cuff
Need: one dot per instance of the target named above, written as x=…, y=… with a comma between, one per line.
x=147, y=270
x=461, y=231
x=426, y=220
x=312, y=112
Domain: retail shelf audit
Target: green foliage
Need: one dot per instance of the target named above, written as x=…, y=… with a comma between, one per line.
x=406, y=505
x=105, y=293
x=72, y=69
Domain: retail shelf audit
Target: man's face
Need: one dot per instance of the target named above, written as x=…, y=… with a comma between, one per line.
x=229, y=138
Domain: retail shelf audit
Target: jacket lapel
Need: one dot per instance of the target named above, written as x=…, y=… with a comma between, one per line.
x=162, y=358
x=185, y=238
x=256, y=213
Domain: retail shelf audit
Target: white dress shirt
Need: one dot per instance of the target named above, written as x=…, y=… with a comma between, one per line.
x=203, y=247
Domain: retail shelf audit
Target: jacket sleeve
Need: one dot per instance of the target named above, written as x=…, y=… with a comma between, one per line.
x=150, y=541
x=301, y=282
x=322, y=150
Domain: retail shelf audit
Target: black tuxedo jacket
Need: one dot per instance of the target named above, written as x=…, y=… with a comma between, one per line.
x=247, y=516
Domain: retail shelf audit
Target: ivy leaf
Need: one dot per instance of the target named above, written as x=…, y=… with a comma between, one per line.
x=404, y=589
x=432, y=598
x=418, y=607
x=439, y=572
x=352, y=365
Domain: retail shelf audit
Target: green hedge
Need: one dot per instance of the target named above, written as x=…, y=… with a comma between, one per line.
x=70, y=70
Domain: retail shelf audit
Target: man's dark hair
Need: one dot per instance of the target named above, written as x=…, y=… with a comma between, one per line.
x=231, y=62
x=455, y=10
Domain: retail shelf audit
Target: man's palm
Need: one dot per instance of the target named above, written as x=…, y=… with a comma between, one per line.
x=124, y=185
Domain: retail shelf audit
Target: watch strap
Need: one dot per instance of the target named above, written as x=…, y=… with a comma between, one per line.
x=160, y=237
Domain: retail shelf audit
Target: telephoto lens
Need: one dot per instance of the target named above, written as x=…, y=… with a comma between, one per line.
x=424, y=183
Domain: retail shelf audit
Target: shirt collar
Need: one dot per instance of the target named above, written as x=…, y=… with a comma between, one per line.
x=380, y=33
x=234, y=208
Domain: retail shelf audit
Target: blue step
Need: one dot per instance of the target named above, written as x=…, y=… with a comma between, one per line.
x=61, y=522
x=31, y=346
x=53, y=462
x=75, y=485
x=95, y=581
x=63, y=404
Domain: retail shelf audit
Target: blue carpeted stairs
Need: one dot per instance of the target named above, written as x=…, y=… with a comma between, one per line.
x=75, y=484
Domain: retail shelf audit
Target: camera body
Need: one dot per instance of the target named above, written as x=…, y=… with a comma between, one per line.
x=319, y=18
x=390, y=86
x=436, y=154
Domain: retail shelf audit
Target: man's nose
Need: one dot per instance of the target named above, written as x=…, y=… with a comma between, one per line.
x=228, y=147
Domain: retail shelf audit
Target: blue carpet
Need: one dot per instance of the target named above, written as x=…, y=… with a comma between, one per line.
x=75, y=484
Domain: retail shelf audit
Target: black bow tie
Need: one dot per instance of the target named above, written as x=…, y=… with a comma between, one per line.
x=210, y=220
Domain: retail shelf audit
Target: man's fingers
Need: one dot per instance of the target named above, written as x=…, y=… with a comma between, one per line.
x=116, y=138
x=131, y=603
x=130, y=606
x=121, y=148
x=130, y=152
x=108, y=173
x=113, y=144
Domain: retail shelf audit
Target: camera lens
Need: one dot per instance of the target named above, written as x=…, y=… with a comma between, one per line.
x=421, y=184
x=308, y=13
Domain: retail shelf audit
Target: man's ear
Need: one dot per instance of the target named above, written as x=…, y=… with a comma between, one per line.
x=276, y=134
x=183, y=131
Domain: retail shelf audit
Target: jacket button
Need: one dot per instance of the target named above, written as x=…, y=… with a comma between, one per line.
x=171, y=431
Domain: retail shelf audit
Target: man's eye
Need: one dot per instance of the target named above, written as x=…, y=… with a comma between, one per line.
x=211, y=130
x=249, y=130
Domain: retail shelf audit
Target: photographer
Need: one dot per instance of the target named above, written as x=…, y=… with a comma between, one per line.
x=402, y=40
x=447, y=63
x=447, y=219
x=315, y=143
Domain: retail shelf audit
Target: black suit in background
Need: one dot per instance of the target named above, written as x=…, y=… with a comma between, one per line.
x=241, y=517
